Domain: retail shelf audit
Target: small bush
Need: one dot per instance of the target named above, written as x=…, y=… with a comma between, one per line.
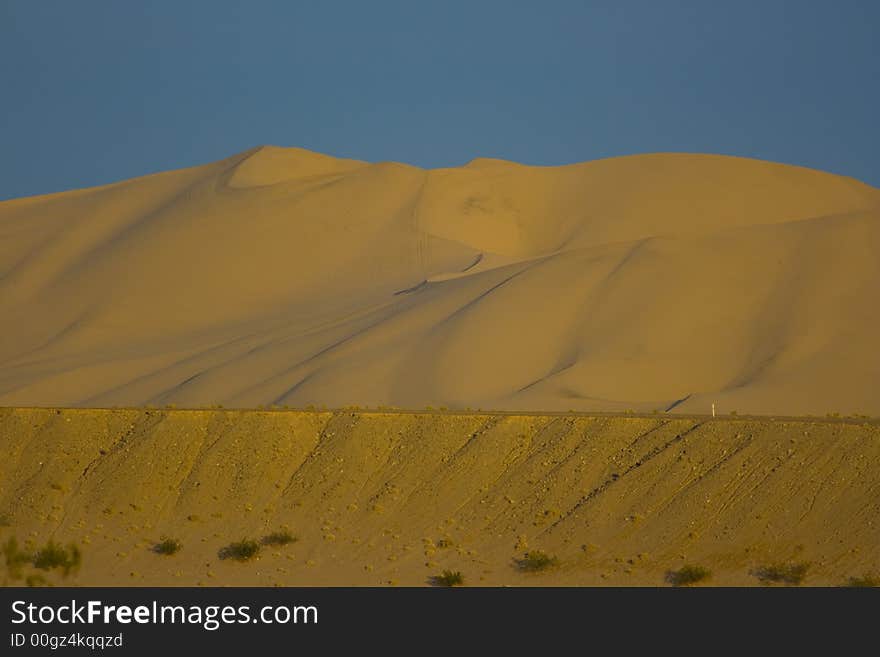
x=279, y=538
x=53, y=555
x=448, y=578
x=782, y=573
x=535, y=561
x=867, y=580
x=167, y=546
x=15, y=558
x=243, y=550
x=688, y=575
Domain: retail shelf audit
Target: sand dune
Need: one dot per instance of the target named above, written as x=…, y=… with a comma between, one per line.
x=281, y=276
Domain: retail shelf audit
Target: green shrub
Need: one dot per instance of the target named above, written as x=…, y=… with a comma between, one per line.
x=243, y=550
x=535, y=561
x=53, y=555
x=867, y=580
x=167, y=546
x=448, y=578
x=279, y=538
x=688, y=575
x=782, y=573
x=15, y=558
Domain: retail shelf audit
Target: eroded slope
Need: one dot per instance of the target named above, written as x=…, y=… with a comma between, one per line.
x=376, y=497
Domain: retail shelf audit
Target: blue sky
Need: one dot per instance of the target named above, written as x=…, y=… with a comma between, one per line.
x=97, y=91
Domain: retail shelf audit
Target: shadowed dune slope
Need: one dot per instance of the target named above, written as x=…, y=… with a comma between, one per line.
x=281, y=276
x=378, y=498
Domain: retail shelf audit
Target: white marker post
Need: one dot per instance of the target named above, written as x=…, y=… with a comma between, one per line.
x=713, y=410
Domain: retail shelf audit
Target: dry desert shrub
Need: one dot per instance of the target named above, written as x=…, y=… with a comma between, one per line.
x=535, y=561
x=448, y=578
x=15, y=558
x=688, y=575
x=167, y=546
x=866, y=581
x=279, y=538
x=54, y=555
x=242, y=550
x=791, y=574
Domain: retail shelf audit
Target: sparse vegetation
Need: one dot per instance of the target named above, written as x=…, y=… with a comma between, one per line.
x=535, y=561
x=54, y=555
x=167, y=546
x=243, y=550
x=279, y=538
x=454, y=536
x=791, y=574
x=866, y=581
x=688, y=575
x=448, y=578
x=15, y=558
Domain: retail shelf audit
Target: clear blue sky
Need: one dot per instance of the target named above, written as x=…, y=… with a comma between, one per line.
x=97, y=91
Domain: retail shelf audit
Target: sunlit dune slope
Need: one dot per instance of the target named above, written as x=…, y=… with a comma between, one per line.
x=281, y=276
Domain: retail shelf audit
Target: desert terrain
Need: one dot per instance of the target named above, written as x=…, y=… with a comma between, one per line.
x=523, y=366
x=390, y=498
x=281, y=276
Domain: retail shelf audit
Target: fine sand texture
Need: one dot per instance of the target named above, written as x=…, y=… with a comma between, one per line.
x=379, y=498
x=284, y=277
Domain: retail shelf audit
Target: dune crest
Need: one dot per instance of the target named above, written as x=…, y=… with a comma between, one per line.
x=271, y=165
x=282, y=276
